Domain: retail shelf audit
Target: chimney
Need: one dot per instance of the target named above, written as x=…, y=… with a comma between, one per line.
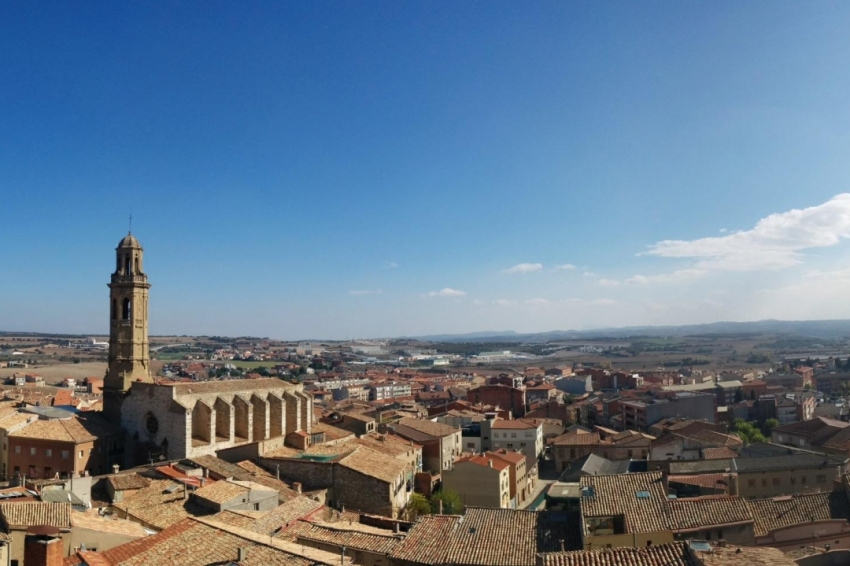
x=115, y=468
x=185, y=492
x=297, y=487
x=44, y=549
x=440, y=507
x=562, y=544
x=277, y=471
x=241, y=554
x=396, y=526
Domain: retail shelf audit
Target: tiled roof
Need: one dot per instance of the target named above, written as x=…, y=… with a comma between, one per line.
x=161, y=504
x=128, y=481
x=222, y=491
x=192, y=543
x=485, y=461
x=231, y=386
x=504, y=537
x=618, y=495
x=713, y=481
x=744, y=556
x=240, y=519
x=577, y=439
x=92, y=521
x=374, y=464
x=505, y=424
x=331, y=432
x=425, y=543
x=779, y=512
x=353, y=539
x=84, y=427
x=244, y=471
x=693, y=513
x=428, y=427
x=718, y=453
x=674, y=554
x=389, y=444
x=36, y=514
x=285, y=514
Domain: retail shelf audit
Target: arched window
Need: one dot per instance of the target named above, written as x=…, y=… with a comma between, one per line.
x=136, y=266
x=118, y=263
x=127, y=309
x=114, y=309
x=127, y=265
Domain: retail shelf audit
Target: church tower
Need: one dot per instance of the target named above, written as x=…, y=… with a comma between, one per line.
x=129, y=356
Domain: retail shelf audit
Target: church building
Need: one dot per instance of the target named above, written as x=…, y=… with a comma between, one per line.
x=183, y=420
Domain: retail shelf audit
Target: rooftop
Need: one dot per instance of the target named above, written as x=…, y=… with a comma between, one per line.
x=640, y=498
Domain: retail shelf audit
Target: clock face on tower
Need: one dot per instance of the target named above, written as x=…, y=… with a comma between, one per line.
x=151, y=424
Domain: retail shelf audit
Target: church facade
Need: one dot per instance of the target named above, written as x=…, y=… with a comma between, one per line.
x=183, y=420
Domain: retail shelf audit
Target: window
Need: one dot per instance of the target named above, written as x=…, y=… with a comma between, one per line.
x=777, y=481
x=793, y=480
x=48, y=452
x=719, y=533
x=821, y=478
x=257, y=506
x=803, y=480
x=81, y=453
x=48, y=472
x=32, y=450
x=513, y=435
x=17, y=449
x=65, y=454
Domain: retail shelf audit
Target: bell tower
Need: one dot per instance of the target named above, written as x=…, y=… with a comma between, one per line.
x=129, y=356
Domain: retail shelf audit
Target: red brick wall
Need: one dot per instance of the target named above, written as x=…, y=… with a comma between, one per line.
x=43, y=551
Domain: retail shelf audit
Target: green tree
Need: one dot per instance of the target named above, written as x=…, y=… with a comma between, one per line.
x=452, y=505
x=748, y=432
x=768, y=426
x=417, y=506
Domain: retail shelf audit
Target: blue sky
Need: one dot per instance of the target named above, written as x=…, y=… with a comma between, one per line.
x=346, y=170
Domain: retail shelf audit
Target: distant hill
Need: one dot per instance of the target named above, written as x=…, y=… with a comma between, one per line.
x=811, y=328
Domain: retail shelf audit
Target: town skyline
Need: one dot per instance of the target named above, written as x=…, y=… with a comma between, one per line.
x=428, y=169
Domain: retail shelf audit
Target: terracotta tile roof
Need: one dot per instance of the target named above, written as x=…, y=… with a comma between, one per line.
x=425, y=543
x=192, y=543
x=703, y=480
x=36, y=514
x=484, y=461
x=222, y=491
x=92, y=521
x=353, y=539
x=503, y=537
x=507, y=455
x=744, y=556
x=674, y=554
x=374, y=464
x=577, y=439
x=389, y=444
x=86, y=558
x=84, y=427
x=239, y=519
x=231, y=386
x=511, y=425
x=778, y=512
x=160, y=505
x=283, y=515
x=718, y=453
x=693, y=513
x=123, y=482
x=331, y=432
x=618, y=495
x=430, y=428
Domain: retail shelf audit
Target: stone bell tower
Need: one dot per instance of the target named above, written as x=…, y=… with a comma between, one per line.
x=129, y=355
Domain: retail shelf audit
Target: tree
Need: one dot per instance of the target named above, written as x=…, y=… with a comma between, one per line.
x=768, y=426
x=417, y=506
x=452, y=505
x=747, y=432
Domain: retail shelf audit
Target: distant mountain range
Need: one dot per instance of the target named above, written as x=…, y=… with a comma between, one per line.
x=811, y=328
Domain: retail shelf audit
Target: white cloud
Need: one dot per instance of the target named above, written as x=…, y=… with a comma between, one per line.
x=524, y=268
x=365, y=292
x=676, y=276
x=775, y=242
x=564, y=267
x=608, y=282
x=446, y=292
x=589, y=274
x=390, y=265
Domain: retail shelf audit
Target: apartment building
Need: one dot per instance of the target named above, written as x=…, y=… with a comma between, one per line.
x=521, y=435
